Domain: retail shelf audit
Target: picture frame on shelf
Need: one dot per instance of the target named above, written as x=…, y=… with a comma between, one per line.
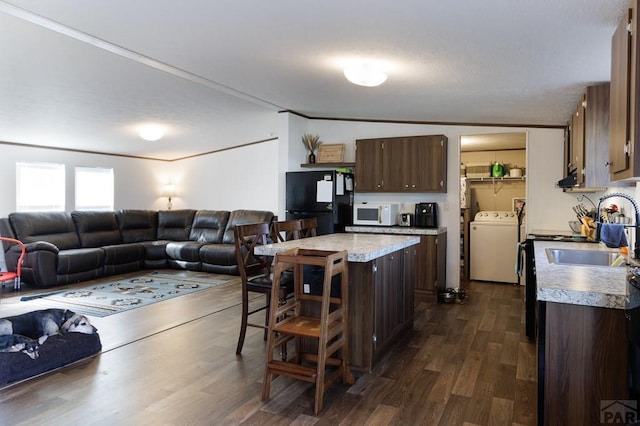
x=517, y=204
x=331, y=153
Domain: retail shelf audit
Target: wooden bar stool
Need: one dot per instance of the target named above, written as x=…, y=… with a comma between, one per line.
x=324, y=319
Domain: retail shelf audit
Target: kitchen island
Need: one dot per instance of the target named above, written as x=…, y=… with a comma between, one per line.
x=431, y=272
x=587, y=338
x=381, y=282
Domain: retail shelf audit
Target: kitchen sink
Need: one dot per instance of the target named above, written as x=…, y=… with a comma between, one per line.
x=582, y=257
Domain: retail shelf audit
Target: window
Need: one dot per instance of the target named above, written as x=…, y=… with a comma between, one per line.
x=94, y=188
x=40, y=187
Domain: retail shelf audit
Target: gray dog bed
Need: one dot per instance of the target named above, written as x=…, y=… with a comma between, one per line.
x=57, y=351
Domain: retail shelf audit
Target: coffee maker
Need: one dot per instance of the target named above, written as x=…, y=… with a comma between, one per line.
x=426, y=215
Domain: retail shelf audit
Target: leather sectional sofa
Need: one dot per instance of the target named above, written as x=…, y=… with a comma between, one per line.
x=64, y=248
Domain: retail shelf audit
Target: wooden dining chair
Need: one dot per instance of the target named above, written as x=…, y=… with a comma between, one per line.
x=309, y=227
x=286, y=230
x=255, y=274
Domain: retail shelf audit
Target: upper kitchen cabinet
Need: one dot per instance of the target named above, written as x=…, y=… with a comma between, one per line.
x=402, y=164
x=588, y=145
x=576, y=141
x=368, y=171
x=625, y=104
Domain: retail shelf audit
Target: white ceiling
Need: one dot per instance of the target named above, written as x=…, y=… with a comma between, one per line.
x=84, y=74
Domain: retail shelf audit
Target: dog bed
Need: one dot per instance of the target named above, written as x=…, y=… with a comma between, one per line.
x=57, y=351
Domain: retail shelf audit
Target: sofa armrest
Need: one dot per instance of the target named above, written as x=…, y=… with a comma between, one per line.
x=40, y=245
x=39, y=266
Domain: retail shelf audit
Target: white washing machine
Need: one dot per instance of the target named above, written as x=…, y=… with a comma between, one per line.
x=493, y=246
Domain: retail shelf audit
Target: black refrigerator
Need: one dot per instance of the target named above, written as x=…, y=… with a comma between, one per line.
x=327, y=195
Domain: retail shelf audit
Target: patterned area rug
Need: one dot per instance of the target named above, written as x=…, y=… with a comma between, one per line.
x=104, y=299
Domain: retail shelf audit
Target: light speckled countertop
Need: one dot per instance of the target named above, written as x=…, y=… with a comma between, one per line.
x=600, y=286
x=361, y=247
x=401, y=230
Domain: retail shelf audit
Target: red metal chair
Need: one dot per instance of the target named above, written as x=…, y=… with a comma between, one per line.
x=15, y=276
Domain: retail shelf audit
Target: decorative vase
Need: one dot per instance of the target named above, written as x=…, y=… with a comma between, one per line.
x=312, y=158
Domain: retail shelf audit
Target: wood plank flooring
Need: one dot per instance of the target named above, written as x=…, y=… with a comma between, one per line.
x=174, y=363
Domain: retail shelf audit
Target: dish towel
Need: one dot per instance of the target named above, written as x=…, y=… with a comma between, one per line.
x=612, y=234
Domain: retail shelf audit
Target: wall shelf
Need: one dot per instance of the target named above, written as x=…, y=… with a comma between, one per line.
x=494, y=179
x=325, y=165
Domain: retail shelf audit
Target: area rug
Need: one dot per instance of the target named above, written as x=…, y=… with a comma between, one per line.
x=104, y=299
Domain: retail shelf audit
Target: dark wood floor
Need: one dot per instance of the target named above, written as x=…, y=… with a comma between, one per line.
x=174, y=363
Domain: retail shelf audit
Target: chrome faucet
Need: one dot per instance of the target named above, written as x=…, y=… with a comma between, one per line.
x=636, y=244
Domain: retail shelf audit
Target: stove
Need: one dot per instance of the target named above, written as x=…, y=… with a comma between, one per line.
x=560, y=238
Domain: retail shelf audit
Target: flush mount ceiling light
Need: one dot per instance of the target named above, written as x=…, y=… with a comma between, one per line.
x=151, y=132
x=365, y=74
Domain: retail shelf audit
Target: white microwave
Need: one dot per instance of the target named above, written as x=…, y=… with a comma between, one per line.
x=381, y=214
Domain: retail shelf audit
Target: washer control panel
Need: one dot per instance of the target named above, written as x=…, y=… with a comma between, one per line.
x=496, y=216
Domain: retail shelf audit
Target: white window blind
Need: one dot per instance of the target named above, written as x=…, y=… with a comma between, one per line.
x=94, y=188
x=40, y=187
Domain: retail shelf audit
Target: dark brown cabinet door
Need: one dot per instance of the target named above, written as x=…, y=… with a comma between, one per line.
x=410, y=265
x=395, y=165
x=620, y=105
x=428, y=159
x=368, y=172
x=577, y=140
x=389, y=298
x=596, y=136
x=431, y=269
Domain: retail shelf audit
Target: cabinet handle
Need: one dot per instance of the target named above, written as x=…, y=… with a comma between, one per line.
x=406, y=186
x=413, y=186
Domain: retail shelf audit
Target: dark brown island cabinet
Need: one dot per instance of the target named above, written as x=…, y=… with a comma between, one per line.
x=415, y=164
x=381, y=303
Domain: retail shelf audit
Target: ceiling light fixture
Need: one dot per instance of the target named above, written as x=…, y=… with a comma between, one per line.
x=365, y=74
x=151, y=132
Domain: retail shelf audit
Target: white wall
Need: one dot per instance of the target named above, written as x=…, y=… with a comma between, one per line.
x=241, y=178
x=138, y=182
x=245, y=177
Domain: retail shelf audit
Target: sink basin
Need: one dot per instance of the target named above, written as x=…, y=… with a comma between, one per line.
x=581, y=257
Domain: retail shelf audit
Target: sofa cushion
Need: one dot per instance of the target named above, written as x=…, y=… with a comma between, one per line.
x=137, y=225
x=96, y=229
x=184, y=250
x=209, y=226
x=155, y=254
x=243, y=217
x=175, y=225
x=218, y=254
x=123, y=253
x=79, y=260
x=54, y=227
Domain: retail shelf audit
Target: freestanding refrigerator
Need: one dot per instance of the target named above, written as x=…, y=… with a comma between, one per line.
x=327, y=195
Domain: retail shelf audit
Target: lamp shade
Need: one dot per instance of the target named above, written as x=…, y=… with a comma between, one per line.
x=169, y=190
x=365, y=74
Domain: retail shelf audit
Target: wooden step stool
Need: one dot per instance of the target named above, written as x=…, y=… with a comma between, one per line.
x=321, y=318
